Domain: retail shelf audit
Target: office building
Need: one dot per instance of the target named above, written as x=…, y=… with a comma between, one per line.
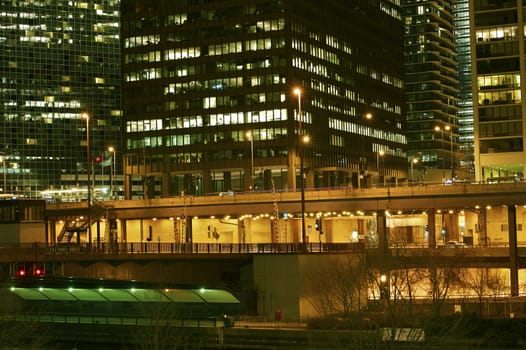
x=498, y=65
x=210, y=104
x=465, y=152
x=432, y=85
x=59, y=59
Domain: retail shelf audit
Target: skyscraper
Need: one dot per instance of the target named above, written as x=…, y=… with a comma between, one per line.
x=59, y=59
x=499, y=108
x=432, y=86
x=210, y=103
x=465, y=151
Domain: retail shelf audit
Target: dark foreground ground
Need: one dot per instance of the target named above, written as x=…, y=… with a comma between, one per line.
x=462, y=332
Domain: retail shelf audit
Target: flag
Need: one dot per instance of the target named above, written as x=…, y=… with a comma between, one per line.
x=98, y=159
x=107, y=161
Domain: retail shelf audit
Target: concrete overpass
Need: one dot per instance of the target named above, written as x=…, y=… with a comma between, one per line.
x=407, y=222
x=344, y=199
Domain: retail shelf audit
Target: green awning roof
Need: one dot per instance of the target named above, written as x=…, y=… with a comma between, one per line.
x=126, y=295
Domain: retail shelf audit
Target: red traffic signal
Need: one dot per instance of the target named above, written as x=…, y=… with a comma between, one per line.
x=32, y=269
x=21, y=271
x=38, y=271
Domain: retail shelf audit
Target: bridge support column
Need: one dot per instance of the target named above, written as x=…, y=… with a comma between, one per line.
x=381, y=229
x=188, y=230
x=483, y=236
x=124, y=234
x=431, y=231
x=514, y=260
x=51, y=232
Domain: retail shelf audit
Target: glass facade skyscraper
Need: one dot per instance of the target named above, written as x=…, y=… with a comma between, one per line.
x=58, y=59
x=499, y=108
x=432, y=85
x=465, y=154
x=209, y=102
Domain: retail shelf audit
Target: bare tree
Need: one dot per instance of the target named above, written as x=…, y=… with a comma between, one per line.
x=478, y=282
x=338, y=287
x=441, y=280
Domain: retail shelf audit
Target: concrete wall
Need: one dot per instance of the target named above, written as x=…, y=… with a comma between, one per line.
x=23, y=233
x=286, y=283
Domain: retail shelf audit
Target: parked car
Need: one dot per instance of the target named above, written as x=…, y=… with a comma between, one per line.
x=454, y=244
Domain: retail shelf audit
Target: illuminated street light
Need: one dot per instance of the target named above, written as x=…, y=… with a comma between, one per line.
x=113, y=171
x=86, y=116
x=413, y=162
x=303, y=139
x=379, y=154
x=450, y=129
x=363, y=159
x=452, y=160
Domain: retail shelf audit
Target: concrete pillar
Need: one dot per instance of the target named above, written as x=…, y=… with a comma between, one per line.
x=514, y=259
x=432, y=238
x=51, y=232
x=188, y=230
x=483, y=237
x=381, y=229
x=124, y=233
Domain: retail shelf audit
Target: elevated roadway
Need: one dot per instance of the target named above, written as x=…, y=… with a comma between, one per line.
x=344, y=199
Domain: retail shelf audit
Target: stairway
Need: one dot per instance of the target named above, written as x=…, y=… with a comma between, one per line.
x=78, y=225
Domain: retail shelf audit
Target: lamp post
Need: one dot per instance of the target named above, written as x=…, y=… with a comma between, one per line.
x=297, y=92
x=452, y=160
x=413, y=162
x=363, y=158
x=379, y=154
x=450, y=129
x=438, y=128
x=113, y=171
x=251, y=139
x=88, y=158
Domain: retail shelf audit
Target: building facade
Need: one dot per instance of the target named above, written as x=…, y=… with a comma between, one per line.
x=432, y=89
x=59, y=59
x=498, y=65
x=210, y=103
x=465, y=152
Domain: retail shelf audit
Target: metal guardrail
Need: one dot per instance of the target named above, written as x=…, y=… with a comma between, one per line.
x=13, y=252
x=208, y=322
x=201, y=248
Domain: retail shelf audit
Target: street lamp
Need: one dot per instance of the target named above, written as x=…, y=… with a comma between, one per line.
x=363, y=158
x=303, y=139
x=452, y=160
x=450, y=129
x=413, y=162
x=113, y=171
x=86, y=116
x=249, y=136
x=379, y=154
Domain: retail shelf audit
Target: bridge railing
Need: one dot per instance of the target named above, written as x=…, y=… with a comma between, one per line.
x=50, y=317
x=200, y=248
